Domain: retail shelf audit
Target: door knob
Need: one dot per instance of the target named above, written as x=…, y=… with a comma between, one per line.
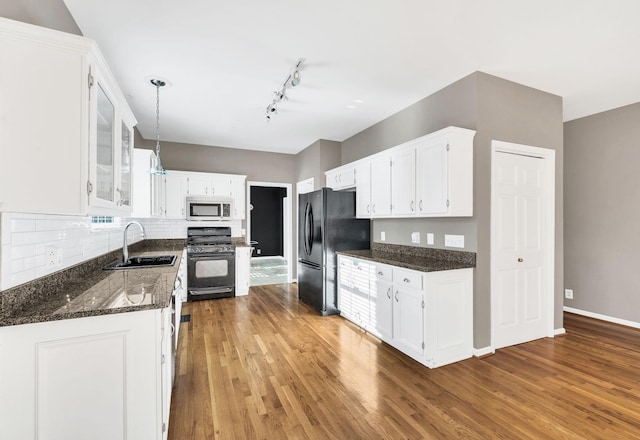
x=520, y=260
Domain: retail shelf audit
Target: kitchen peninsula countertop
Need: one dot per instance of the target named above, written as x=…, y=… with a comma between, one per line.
x=415, y=258
x=87, y=290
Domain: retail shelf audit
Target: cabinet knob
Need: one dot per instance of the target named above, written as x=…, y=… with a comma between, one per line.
x=520, y=260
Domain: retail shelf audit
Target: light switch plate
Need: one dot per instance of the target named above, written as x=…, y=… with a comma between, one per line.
x=430, y=238
x=415, y=237
x=455, y=241
x=383, y=236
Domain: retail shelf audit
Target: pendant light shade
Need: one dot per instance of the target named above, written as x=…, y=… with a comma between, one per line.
x=158, y=168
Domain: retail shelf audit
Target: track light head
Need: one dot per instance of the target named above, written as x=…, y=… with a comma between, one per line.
x=295, y=79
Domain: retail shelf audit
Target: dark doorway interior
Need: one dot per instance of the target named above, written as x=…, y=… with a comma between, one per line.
x=266, y=220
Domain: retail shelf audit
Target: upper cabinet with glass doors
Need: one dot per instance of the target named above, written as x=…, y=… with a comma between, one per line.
x=66, y=131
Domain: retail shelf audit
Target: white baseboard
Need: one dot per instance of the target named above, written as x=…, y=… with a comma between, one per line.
x=559, y=331
x=602, y=317
x=484, y=351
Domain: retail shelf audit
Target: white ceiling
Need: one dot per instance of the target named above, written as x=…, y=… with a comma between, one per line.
x=224, y=59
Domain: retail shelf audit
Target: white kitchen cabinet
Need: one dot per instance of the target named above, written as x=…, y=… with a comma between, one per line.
x=354, y=289
x=199, y=184
x=98, y=378
x=239, y=195
x=363, y=190
x=345, y=286
x=382, y=304
x=444, y=185
x=408, y=312
x=343, y=177
x=426, y=315
x=143, y=161
x=380, y=185
x=403, y=182
x=63, y=124
x=448, y=316
x=176, y=185
x=243, y=270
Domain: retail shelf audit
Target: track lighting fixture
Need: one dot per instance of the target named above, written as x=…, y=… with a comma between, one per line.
x=292, y=80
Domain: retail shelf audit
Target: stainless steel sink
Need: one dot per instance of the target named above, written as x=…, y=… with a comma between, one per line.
x=142, y=262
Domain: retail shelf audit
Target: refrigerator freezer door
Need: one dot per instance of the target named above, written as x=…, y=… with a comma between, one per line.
x=310, y=285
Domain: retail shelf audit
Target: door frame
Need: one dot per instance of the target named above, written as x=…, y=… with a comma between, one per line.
x=549, y=165
x=286, y=220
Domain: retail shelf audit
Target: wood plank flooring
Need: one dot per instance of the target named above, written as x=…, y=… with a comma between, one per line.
x=268, y=367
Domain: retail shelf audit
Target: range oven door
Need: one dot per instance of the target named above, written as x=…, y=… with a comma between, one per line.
x=211, y=276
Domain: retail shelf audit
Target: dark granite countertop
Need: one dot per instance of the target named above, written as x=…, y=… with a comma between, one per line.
x=87, y=290
x=415, y=258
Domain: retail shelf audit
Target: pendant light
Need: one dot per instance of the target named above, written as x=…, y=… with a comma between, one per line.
x=158, y=168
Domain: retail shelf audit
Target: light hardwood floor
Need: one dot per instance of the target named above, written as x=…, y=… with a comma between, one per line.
x=268, y=367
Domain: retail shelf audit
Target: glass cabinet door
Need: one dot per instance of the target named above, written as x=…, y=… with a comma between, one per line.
x=125, y=167
x=105, y=147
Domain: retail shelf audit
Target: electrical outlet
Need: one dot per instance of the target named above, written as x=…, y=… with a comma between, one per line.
x=430, y=238
x=52, y=256
x=568, y=293
x=258, y=251
x=415, y=237
x=383, y=236
x=456, y=241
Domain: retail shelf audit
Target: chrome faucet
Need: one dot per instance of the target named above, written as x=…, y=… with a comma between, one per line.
x=125, y=246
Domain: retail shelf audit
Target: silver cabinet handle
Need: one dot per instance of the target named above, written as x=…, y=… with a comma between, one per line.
x=380, y=273
x=359, y=267
x=389, y=293
x=412, y=206
x=407, y=280
x=368, y=209
x=397, y=296
x=420, y=205
x=374, y=208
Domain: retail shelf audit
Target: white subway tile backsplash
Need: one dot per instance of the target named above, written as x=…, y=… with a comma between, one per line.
x=24, y=238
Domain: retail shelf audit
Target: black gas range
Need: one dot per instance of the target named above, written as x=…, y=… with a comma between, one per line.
x=211, y=263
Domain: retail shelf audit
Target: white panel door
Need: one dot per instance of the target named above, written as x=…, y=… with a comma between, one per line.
x=518, y=302
x=408, y=320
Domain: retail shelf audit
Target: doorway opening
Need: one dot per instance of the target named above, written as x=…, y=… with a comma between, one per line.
x=269, y=232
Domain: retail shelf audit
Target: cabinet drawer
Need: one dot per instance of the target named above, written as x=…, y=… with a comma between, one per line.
x=407, y=278
x=383, y=272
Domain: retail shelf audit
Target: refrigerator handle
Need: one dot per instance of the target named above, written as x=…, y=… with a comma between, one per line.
x=310, y=228
x=306, y=229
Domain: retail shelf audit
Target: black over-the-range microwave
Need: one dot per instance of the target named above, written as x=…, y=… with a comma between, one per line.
x=209, y=208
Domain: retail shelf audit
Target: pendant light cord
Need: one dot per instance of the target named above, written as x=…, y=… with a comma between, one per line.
x=158, y=119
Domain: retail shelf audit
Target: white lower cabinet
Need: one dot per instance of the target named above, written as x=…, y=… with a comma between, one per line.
x=100, y=378
x=243, y=270
x=426, y=315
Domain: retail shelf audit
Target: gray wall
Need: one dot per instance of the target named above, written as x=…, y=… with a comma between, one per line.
x=317, y=158
x=257, y=165
x=511, y=112
x=52, y=14
x=496, y=109
x=602, y=194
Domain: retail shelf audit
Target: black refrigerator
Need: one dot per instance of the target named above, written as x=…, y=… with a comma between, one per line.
x=326, y=223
